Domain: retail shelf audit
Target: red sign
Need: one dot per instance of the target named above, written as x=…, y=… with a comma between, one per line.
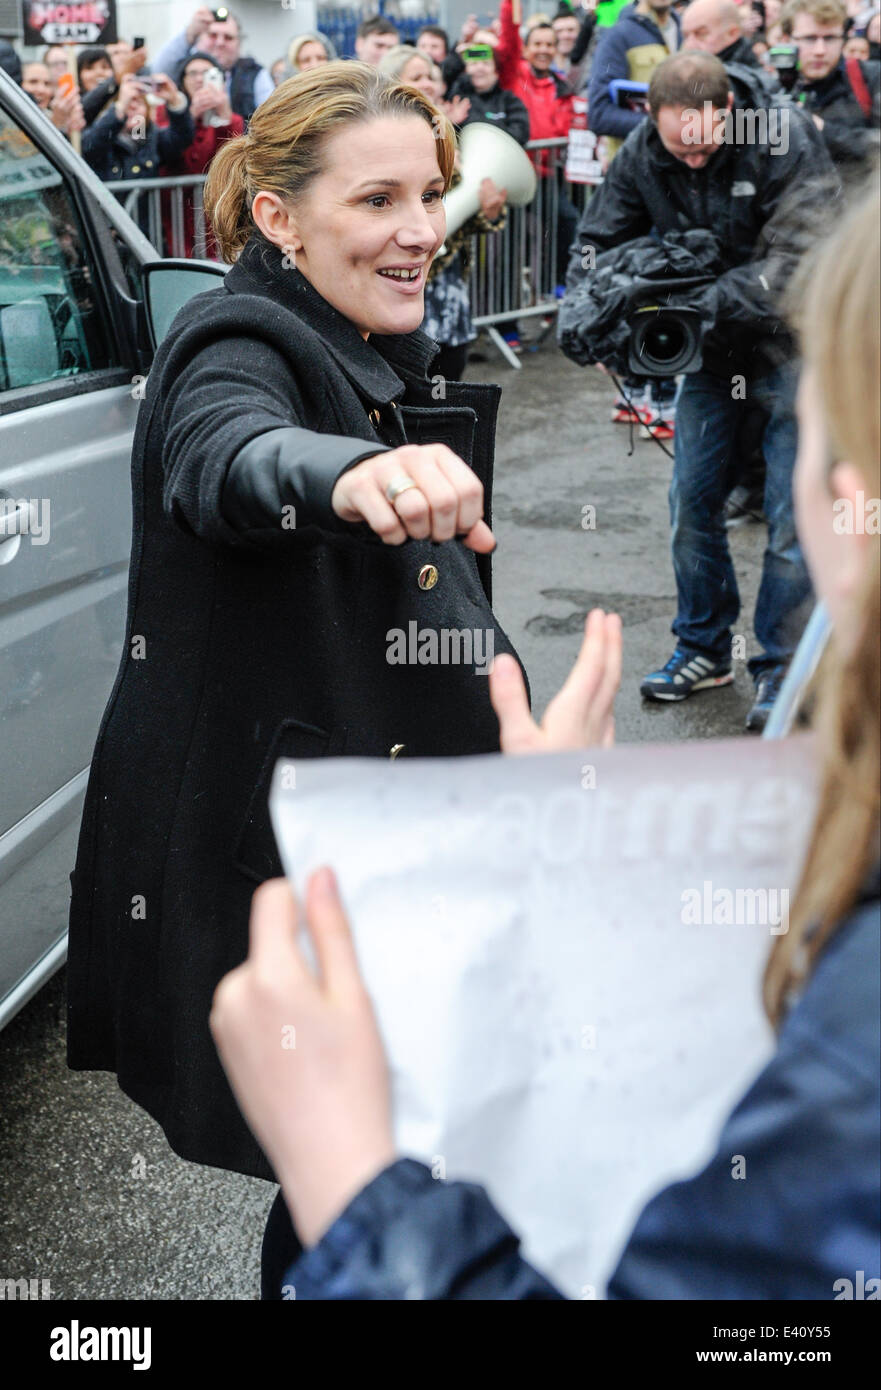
x=90, y=23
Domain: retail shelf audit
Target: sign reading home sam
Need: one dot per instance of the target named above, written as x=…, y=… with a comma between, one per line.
x=91, y=23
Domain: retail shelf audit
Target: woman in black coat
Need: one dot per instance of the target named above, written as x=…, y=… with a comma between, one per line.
x=302, y=491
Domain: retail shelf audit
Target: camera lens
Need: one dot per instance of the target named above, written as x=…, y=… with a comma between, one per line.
x=663, y=342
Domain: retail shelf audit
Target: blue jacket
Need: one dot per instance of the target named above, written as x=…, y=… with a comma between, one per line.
x=802, y=1223
x=631, y=49
x=112, y=158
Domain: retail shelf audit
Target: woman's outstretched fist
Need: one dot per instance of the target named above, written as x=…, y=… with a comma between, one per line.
x=419, y=492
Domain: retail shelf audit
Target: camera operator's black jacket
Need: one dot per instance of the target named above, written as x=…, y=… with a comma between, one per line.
x=764, y=208
x=848, y=133
x=753, y=87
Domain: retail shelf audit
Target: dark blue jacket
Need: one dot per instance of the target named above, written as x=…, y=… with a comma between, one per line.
x=112, y=159
x=806, y=1217
x=631, y=49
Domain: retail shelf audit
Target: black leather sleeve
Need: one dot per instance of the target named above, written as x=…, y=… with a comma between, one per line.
x=235, y=450
x=284, y=479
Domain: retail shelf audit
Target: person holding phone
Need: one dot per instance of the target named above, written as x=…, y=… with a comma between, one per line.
x=201, y=80
x=127, y=143
x=219, y=32
x=60, y=101
x=101, y=70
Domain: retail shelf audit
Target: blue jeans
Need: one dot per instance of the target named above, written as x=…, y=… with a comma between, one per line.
x=708, y=419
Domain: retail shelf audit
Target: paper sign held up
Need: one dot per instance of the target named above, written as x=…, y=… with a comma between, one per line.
x=565, y=955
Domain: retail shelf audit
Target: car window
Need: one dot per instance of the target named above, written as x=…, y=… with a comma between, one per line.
x=50, y=316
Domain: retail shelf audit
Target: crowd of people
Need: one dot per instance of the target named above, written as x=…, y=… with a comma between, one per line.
x=139, y=115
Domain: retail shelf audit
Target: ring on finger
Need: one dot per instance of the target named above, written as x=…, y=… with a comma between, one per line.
x=399, y=485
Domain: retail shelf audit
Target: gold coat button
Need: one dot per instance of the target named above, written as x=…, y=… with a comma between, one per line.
x=395, y=749
x=136, y=168
x=428, y=577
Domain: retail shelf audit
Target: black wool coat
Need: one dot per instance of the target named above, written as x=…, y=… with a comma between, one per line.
x=246, y=641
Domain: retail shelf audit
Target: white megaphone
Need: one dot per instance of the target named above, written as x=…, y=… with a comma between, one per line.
x=485, y=152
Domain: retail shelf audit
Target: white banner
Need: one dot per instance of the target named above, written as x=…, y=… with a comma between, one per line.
x=565, y=955
x=584, y=162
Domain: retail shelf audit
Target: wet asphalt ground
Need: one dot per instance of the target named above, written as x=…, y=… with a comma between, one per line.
x=91, y=1197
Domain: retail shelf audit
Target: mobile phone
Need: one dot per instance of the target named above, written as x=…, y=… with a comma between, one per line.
x=138, y=43
x=212, y=78
x=66, y=84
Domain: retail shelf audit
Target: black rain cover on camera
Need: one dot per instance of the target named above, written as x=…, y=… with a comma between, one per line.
x=593, y=323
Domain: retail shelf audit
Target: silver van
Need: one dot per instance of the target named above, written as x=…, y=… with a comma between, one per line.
x=84, y=298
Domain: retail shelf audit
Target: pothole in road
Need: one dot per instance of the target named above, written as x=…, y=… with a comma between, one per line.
x=563, y=515
x=632, y=608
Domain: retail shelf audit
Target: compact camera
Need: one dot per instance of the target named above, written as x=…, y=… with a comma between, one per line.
x=783, y=58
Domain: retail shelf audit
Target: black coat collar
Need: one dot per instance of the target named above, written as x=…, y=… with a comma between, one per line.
x=379, y=367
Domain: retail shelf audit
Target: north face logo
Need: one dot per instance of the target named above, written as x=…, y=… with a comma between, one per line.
x=743, y=190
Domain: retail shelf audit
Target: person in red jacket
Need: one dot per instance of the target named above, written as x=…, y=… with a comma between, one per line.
x=526, y=70
x=215, y=122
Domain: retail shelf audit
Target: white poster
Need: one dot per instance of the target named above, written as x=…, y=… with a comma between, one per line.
x=584, y=163
x=565, y=956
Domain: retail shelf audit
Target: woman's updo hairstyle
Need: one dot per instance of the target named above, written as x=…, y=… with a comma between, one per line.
x=283, y=149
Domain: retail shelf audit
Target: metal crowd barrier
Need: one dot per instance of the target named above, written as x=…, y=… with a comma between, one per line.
x=514, y=273
x=169, y=212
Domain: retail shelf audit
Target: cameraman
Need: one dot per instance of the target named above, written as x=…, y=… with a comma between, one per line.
x=677, y=171
x=841, y=94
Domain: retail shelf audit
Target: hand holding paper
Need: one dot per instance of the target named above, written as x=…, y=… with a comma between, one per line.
x=303, y=1054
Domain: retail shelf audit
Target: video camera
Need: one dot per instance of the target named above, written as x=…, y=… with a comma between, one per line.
x=666, y=338
x=783, y=58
